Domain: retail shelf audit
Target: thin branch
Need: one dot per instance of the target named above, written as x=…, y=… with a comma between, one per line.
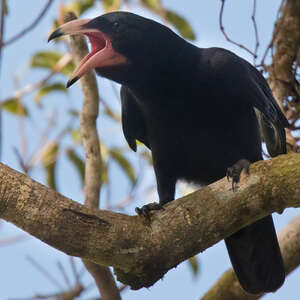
x=226, y=35
x=43, y=271
x=71, y=294
x=93, y=169
x=30, y=27
x=74, y=270
x=64, y=274
x=2, y=25
x=270, y=45
x=253, y=18
x=14, y=239
x=62, y=62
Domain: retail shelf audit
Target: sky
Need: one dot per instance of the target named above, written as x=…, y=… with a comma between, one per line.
x=18, y=278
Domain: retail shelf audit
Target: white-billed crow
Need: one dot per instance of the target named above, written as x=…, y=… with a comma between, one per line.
x=200, y=111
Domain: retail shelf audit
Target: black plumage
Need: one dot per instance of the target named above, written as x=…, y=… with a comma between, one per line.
x=200, y=111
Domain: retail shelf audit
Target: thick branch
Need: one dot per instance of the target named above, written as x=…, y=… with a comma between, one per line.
x=286, y=43
x=141, y=252
x=92, y=182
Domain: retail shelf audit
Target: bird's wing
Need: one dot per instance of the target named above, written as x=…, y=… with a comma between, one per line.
x=270, y=117
x=133, y=122
x=246, y=83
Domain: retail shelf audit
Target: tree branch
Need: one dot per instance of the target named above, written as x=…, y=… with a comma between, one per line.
x=141, y=252
x=228, y=39
x=286, y=43
x=30, y=27
x=92, y=185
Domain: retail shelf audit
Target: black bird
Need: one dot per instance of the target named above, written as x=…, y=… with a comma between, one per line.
x=200, y=111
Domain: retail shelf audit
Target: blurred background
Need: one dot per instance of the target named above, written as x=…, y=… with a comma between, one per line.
x=39, y=135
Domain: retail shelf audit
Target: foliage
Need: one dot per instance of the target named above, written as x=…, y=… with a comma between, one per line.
x=14, y=106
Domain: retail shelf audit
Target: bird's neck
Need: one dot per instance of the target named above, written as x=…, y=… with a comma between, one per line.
x=158, y=77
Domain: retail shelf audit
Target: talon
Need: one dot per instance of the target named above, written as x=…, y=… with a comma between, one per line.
x=145, y=209
x=235, y=171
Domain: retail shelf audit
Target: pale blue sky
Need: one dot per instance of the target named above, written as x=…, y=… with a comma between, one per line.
x=17, y=276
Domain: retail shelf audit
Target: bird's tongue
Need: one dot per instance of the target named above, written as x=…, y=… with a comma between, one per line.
x=102, y=55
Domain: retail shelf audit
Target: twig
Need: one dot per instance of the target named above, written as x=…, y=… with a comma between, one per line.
x=43, y=271
x=62, y=62
x=13, y=240
x=64, y=274
x=225, y=34
x=255, y=31
x=2, y=25
x=71, y=294
x=109, y=111
x=270, y=45
x=74, y=270
x=30, y=27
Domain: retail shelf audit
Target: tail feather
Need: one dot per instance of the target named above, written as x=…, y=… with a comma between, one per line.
x=255, y=256
x=273, y=134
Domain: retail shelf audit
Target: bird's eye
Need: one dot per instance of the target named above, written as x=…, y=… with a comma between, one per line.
x=116, y=25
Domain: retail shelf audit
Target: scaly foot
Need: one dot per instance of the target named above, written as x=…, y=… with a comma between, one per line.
x=145, y=209
x=235, y=171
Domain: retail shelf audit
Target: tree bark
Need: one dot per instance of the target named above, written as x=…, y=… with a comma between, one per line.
x=142, y=251
x=282, y=80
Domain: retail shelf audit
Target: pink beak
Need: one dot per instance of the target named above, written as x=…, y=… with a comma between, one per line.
x=102, y=53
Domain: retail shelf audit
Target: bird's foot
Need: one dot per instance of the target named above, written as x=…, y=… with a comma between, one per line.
x=145, y=209
x=235, y=171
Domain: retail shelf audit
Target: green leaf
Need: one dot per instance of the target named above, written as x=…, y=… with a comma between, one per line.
x=111, y=5
x=78, y=163
x=104, y=172
x=73, y=112
x=180, y=24
x=123, y=162
x=79, y=6
x=45, y=59
x=48, y=59
x=194, y=264
x=146, y=154
x=46, y=89
x=14, y=106
x=153, y=5
x=49, y=158
x=75, y=133
x=5, y=7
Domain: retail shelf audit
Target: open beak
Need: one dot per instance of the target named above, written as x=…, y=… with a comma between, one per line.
x=102, y=54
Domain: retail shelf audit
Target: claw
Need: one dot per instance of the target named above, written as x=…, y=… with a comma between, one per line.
x=235, y=171
x=145, y=209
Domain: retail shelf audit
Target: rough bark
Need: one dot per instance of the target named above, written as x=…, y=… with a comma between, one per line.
x=142, y=251
x=286, y=46
x=89, y=135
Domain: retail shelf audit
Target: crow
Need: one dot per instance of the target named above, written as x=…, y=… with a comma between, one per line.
x=201, y=111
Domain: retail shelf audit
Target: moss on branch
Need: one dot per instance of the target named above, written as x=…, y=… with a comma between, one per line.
x=141, y=252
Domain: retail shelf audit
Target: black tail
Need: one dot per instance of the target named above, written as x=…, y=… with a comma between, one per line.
x=255, y=256
x=273, y=134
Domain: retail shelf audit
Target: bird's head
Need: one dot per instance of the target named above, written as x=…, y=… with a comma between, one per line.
x=124, y=46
